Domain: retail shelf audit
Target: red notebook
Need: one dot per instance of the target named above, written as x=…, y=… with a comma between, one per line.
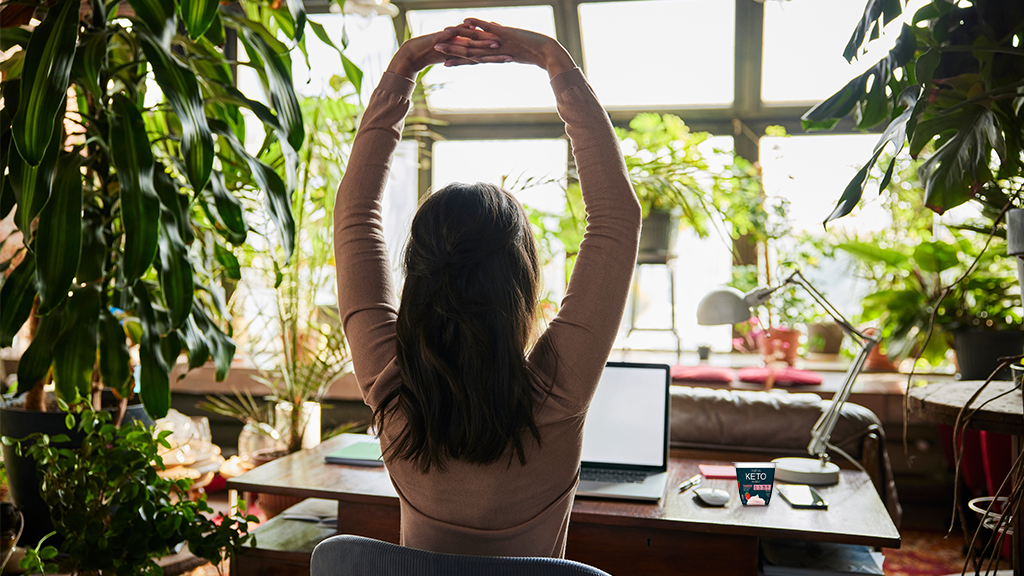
x=718, y=471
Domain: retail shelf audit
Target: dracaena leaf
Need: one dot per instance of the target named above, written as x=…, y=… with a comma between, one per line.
x=227, y=215
x=158, y=15
x=155, y=385
x=140, y=206
x=276, y=76
x=16, y=297
x=167, y=190
x=74, y=352
x=231, y=267
x=181, y=89
x=89, y=62
x=175, y=271
x=222, y=349
x=58, y=244
x=197, y=15
x=298, y=12
x=15, y=36
x=115, y=363
x=94, y=246
x=36, y=360
x=195, y=341
x=352, y=72
x=44, y=82
x=7, y=199
x=275, y=192
x=32, y=184
x=208, y=62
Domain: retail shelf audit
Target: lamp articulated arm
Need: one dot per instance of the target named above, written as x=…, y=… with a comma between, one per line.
x=730, y=306
x=821, y=433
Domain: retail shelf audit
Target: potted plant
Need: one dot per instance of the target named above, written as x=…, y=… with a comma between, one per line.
x=122, y=158
x=909, y=296
x=676, y=186
x=112, y=511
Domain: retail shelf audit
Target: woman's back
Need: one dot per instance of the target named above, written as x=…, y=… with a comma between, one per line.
x=519, y=502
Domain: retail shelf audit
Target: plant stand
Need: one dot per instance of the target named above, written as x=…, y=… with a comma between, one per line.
x=634, y=296
x=657, y=238
x=998, y=410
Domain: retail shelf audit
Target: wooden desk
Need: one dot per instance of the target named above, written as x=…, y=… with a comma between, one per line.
x=1001, y=410
x=676, y=536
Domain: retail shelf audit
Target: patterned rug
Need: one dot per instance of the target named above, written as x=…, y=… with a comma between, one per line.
x=925, y=553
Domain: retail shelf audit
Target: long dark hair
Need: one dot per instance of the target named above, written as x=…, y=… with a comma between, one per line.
x=467, y=314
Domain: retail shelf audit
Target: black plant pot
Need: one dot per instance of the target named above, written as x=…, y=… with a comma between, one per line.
x=657, y=238
x=21, y=470
x=978, y=352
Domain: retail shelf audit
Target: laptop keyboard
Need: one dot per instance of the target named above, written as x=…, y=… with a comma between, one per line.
x=613, y=476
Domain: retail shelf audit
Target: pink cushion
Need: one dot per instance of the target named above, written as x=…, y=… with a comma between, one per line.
x=787, y=376
x=703, y=373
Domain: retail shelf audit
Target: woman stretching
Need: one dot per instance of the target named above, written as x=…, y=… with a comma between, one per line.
x=481, y=420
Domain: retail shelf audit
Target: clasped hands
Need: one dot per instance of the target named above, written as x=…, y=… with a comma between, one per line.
x=479, y=42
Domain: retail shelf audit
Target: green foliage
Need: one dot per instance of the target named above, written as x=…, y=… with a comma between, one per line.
x=672, y=169
x=121, y=151
x=295, y=340
x=676, y=170
x=952, y=84
x=909, y=281
x=112, y=508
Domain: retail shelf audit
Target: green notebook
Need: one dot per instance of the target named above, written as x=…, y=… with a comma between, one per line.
x=362, y=453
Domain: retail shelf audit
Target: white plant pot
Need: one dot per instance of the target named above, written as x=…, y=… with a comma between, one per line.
x=310, y=421
x=1015, y=241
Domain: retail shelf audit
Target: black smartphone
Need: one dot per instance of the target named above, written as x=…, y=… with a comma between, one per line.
x=802, y=496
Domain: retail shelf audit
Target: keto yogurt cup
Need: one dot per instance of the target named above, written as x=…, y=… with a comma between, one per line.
x=755, y=480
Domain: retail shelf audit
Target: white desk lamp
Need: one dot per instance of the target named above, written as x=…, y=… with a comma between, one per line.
x=730, y=306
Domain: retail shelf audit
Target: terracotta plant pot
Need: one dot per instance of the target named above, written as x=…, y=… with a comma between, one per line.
x=824, y=338
x=783, y=344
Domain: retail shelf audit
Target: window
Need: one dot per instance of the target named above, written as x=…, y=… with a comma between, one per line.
x=659, y=53
x=803, y=48
x=502, y=87
x=811, y=172
x=371, y=43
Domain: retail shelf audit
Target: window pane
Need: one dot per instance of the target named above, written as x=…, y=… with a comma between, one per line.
x=490, y=86
x=533, y=170
x=804, y=40
x=812, y=172
x=371, y=45
x=642, y=54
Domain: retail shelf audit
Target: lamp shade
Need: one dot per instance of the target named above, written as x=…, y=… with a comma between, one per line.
x=723, y=306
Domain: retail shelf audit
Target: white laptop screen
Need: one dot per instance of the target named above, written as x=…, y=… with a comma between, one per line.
x=627, y=421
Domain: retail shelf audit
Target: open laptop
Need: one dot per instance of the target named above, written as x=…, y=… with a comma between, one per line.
x=625, y=437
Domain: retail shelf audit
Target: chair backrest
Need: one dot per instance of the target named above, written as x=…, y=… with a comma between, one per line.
x=348, y=555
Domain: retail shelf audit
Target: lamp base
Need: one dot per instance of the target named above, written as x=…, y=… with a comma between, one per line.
x=806, y=471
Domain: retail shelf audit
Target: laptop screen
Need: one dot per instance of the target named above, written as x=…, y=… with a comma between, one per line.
x=627, y=424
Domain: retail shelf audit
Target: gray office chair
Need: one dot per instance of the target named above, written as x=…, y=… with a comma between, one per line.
x=347, y=555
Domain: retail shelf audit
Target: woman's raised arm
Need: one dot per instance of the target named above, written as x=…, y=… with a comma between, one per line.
x=582, y=335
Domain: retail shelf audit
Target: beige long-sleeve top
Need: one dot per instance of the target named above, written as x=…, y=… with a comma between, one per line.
x=503, y=509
